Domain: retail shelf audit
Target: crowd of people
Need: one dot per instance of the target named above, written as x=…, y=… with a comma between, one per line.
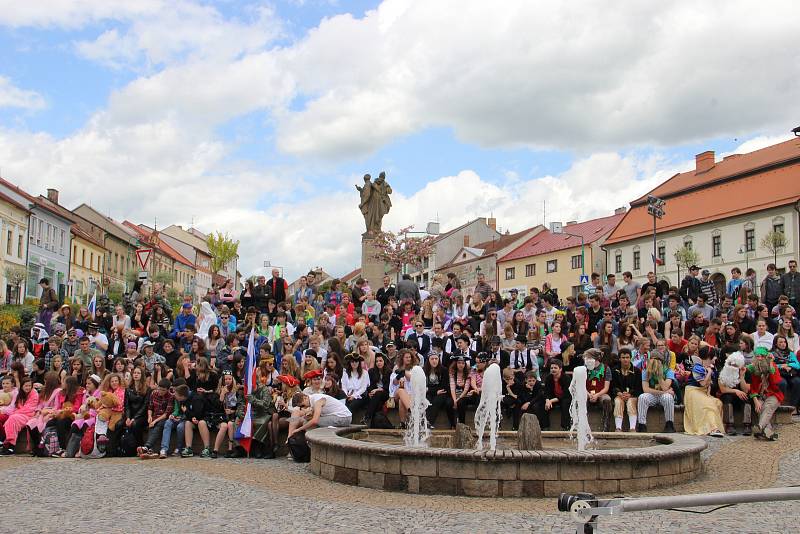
x=133, y=379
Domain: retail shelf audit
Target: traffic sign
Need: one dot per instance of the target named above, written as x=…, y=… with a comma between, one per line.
x=584, y=279
x=143, y=276
x=143, y=256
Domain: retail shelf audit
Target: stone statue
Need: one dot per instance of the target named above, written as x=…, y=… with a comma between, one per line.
x=375, y=201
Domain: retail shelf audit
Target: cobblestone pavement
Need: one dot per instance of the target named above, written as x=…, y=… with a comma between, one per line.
x=197, y=495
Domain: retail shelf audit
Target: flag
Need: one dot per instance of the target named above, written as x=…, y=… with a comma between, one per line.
x=93, y=303
x=657, y=261
x=245, y=431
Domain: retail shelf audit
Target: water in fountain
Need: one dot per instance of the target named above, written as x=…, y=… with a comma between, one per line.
x=577, y=410
x=417, y=431
x=488, y=412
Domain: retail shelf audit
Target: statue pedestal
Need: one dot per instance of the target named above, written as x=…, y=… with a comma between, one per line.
x=372, y=269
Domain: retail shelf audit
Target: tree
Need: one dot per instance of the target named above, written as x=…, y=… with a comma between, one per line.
x=686, y=257
x=163, y=277
x=15, y=275
x=773, y=242
x=398, y=249
x=223, y=250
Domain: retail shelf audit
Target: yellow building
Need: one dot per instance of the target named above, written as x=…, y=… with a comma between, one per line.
x=87, y=264
x=556, y=258
x=13, y=248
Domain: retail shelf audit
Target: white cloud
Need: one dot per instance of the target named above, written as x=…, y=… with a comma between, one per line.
x=14, y=97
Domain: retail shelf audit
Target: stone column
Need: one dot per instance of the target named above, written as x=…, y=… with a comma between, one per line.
x=372, y=269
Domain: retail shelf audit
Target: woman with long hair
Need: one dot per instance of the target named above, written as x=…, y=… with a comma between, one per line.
x=77, y=369
x=378, y=389
x=552, y=344
x=398, y=384
x=332, y=387
x=230, y=398
x=460, y=386
x=476, y=311
x=45, y=409
x=98, y=366
x=135, y=406
x=355, y=382
x=333, y=364
x=57, y=365
x=18, y=413
x=183, y=369
x=438, y=390
x=789, y=368
x=786, y=328
x=23, y=355
x=65, y=317
x=83, y=319
x=703, y=412
x=214, y=344
x=606, y=337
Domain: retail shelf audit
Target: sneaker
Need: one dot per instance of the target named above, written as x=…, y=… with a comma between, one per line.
x=151, y=455
x=7, y=450
x=176, y=452
x=757, y=432
x=187, y=453
x=206, y=453
x=716, y=434
x=102, y=439
x=773, y=437
x=214, y=454
x=163, y=454
x=730, y=430
x=748, y=430
x=669, y=427
x=641, y=427
x=141, y=451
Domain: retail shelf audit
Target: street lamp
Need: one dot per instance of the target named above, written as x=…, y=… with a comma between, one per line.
x=655, y=207
x=743, y=250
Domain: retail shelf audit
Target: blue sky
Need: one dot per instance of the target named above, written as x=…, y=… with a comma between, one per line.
x=257, y=118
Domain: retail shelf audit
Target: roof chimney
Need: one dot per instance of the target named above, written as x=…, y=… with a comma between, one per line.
x=620, y=211
x=466, y=240
x=704, y=161
x=52, y=195
x=492, y=222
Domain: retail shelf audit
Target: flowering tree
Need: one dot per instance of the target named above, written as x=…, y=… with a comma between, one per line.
x=398, y=249
x=773, y=243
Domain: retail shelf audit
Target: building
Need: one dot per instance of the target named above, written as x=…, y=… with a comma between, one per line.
x=199, y=240
x=557, y=258
x=13, y=248
x=87, y=265
x=165, y=259
x=482, y=257
x=446, y=245
x=119, y=243
x=48, y=240
x=320, y=278
x=199, y=258
x=721, y=210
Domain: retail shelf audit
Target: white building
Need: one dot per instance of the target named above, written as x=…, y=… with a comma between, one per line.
x=722, y=210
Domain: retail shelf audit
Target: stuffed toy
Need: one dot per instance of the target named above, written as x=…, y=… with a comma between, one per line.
x=109, y=401
x=66, y=412
x=5, y=398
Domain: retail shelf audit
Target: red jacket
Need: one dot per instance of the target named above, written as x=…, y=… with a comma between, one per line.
x=773, y=388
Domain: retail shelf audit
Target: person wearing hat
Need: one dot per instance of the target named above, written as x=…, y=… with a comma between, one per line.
x=313, y=381
x=150, y=357
x=522, y=359
x=498, y=354
x=97, y=339
x=690, y=286
x=355, y=381
x=463, y=349
x=708, y=288
x=70, y=342
x=765, y=393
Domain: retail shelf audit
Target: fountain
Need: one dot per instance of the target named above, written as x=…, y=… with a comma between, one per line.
x=417, y=432
x=577, y=410
x=526, y=464
x=488, y=412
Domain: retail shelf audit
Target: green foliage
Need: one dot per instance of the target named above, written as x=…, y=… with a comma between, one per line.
x=223, y=250
x=16, y=315
x=131, y=277
x=163, y=277
x=686, y=257
x=773, y=242
x=115, y=292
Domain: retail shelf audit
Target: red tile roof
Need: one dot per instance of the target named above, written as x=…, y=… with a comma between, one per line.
x=352, y=275
x=42, y=202
x=546, y=241
x=488, y=247
x=163, y=246
x=86, y=236
x=737, y=185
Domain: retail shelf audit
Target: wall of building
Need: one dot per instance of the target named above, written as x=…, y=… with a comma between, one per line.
x=49, y=242
x=13, y=248
x=87, y=265
x=565, y=280
x=732, y=235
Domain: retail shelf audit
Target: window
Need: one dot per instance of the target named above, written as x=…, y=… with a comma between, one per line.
x=61, y=247
x=661, y=251
x=530, y=269
x=91, y=260
x=750, y=240
x=75, y=254
x=83, y=257
x=19, y=246
x=47, y=238
x=425, y=262
x=552, y=266
x=716, y=246
x=618, y=263
x=116, y=262
x=637, y=260
x=576, y=261
x=510, y=273
x=9, y=242
x=40, y=233
x=688, y=244
x=32, y=230
x=778, y=228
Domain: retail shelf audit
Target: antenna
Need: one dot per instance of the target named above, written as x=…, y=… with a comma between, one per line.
x=544, y=212
x=155, y=224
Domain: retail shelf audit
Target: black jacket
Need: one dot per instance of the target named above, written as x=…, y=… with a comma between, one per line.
x=383, y=295
x=550, y=387
x=534, y=396
x=423, y=343
x=136, y=404
x=376, y=380
x=690, y=288
x=439, y=380
x=631, y=383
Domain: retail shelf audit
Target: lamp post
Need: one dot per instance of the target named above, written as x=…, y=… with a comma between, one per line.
x=743, y=250
x=655, y=207
x=558, y=229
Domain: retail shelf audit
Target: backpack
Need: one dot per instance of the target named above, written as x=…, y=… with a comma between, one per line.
x=299, y=448
x=89, y=447
x=128, y=443
x=379, y=420
x=49, y=444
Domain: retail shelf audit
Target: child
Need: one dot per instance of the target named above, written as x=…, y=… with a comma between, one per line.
x=509, y=402
x=230, y=397
x=371, y=308
x=18, y=413
x=159, y=409
x=531, y=399
x=176, y=420
x=195, y=408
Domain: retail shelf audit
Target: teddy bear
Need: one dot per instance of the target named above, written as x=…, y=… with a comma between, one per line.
x=66, y=411
x=5, y=399
x=107, y=402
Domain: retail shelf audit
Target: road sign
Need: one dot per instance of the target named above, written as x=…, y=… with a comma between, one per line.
x=584, y=279
x=143, y=276
x=143, y=256
x=589, y=289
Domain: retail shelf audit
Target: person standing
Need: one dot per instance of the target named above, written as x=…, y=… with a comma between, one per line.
x=278, y=288
x=690, y=287
x=48, y=303
x=771, y=288
x=385, y=292
x=790, y=284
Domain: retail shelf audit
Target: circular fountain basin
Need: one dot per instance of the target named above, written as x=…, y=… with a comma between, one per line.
x=619, y=463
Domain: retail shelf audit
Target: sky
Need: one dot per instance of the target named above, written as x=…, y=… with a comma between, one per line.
x=259, y=118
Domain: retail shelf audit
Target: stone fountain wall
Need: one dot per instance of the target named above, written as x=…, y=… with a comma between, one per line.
x=503, y=473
